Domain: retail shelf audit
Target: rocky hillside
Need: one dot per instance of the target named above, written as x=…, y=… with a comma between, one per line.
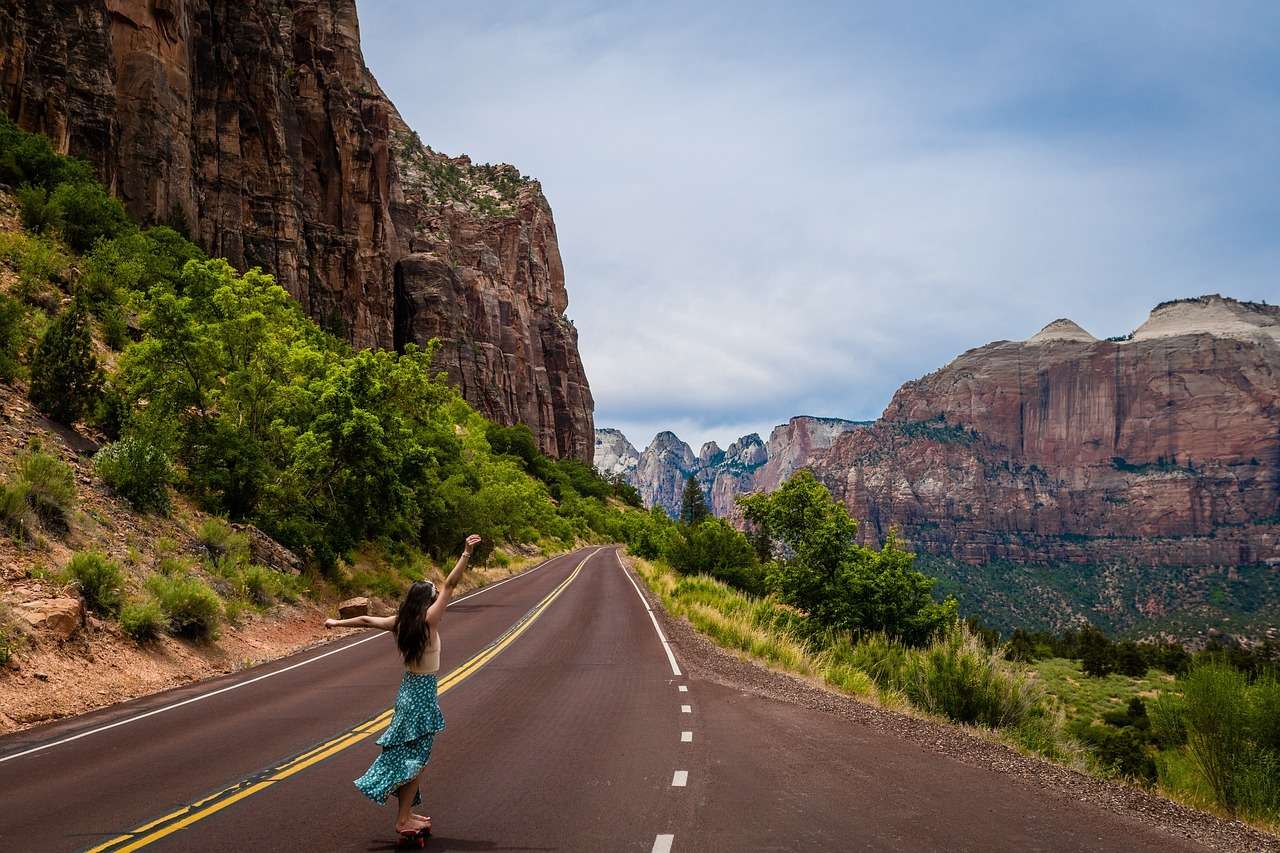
x=748, y=465
x=255, y=125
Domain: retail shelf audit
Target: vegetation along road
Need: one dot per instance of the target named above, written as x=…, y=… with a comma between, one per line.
x=571, y=726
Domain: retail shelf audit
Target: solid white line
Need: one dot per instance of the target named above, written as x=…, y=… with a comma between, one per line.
x=680, y=779
x=683, y=689
x=686, y=709
x=686, y=737
x=254, y=680
x=666, y=647
x=662, y=844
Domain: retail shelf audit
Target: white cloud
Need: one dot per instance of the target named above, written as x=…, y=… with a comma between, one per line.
x=765, y=213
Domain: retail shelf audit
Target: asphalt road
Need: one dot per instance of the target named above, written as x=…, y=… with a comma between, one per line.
x=573, y=732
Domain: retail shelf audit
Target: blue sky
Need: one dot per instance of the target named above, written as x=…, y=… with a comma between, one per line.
x=792, y=208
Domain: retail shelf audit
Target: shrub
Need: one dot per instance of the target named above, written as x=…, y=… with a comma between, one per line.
x=264, y=585
x=87, y=213
x=8, y=645
x=960, y=679
x=137, y=470
x=142, y=620
x=100, y=581
x=221, y=539
x=11, y=315
x=39, y=214
x=51, y=485
x=714, y=547
x=192, y=609
x=15, y=511
x=64, y=371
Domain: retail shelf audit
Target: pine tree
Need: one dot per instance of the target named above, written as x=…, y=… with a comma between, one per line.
x=64, y=372
x=693, y=503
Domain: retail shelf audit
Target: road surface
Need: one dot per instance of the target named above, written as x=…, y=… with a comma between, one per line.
x=569, y=729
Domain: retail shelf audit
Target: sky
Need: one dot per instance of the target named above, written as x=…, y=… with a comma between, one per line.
x=790, y=208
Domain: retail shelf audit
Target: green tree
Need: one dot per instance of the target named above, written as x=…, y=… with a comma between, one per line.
x=841, y=584
x=693, y=502
x=65, y=379
x=715, y=547
x=11, y=314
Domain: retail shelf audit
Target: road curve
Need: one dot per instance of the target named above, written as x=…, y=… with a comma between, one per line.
x=573, y=733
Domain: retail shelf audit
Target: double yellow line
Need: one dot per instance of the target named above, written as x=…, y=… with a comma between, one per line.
x=178, y=820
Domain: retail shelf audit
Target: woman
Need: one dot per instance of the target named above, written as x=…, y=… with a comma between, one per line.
x=406, y=744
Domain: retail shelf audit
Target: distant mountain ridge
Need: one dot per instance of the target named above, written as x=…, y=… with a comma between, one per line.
x=748, y=464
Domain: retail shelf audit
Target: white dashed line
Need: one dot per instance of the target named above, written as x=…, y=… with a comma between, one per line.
x=666, y=646
x=680, y=779
x=686, y=737
x=686, y=709
x=683, y=689
x=662, y=844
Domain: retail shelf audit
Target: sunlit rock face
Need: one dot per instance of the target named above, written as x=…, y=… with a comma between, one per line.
x=1161, y=448
x=256, y=126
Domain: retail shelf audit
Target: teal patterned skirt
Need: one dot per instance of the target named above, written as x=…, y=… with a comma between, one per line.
x=406, y=744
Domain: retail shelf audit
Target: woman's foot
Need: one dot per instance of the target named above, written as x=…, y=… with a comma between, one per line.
x=408, y=827
x=424, y=821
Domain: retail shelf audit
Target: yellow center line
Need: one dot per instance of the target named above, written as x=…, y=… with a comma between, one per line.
x=161, y=827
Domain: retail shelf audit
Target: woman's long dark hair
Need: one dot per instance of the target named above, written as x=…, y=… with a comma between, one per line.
x=412, y=631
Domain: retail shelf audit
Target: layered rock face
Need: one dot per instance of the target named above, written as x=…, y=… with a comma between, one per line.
x=256, y=125
x=1163, y=448
x=748, y=465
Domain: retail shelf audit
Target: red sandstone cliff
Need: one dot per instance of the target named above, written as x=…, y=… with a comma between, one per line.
x=257, y=125
x=1162, y=449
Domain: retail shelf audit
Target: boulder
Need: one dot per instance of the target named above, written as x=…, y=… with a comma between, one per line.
x=61, y=617
x=354, y=607
x=267, y=551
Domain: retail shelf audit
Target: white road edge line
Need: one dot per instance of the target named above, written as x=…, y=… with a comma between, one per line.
x=680, y=779
x=662, y=844
x=254, y=680
x=686, y=737
x=666, y=647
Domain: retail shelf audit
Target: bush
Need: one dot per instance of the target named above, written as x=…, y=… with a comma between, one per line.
x=192, y=609
x=138, y=471
x=39, y=215
x=220, y=539
x=64, y=371
x=100, y=581
x=11, y=315
x=87, y=213
x=1231, y=730
x=15, y=511
x=958, y=678
x=142, y=620
x=51, y=485
x=264, y=585
x=714, y=547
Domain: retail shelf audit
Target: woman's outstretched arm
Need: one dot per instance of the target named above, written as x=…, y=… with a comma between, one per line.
x=436, y=610
x=382, y=623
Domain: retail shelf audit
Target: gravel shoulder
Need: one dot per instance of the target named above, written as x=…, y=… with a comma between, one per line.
x=702, y=658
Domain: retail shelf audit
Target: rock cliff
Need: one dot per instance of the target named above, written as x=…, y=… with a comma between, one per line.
x=1162, y=448
x=256, y=126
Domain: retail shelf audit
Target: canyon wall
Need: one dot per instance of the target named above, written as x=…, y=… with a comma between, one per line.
x=256, y=126
x=1162, y=448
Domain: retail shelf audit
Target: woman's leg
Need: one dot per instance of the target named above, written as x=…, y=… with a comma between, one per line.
x=406, y=794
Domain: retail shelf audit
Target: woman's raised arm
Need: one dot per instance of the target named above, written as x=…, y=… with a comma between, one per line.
x=436, y=610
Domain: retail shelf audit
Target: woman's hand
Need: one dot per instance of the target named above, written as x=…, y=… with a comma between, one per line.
x=330, y=623
x=472, y=541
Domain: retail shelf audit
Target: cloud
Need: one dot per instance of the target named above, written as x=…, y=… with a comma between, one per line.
x=773, y=210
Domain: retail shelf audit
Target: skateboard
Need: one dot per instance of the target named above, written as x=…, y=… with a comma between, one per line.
x=414, y=840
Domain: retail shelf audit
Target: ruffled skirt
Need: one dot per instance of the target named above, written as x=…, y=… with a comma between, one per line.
x=406, y=744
